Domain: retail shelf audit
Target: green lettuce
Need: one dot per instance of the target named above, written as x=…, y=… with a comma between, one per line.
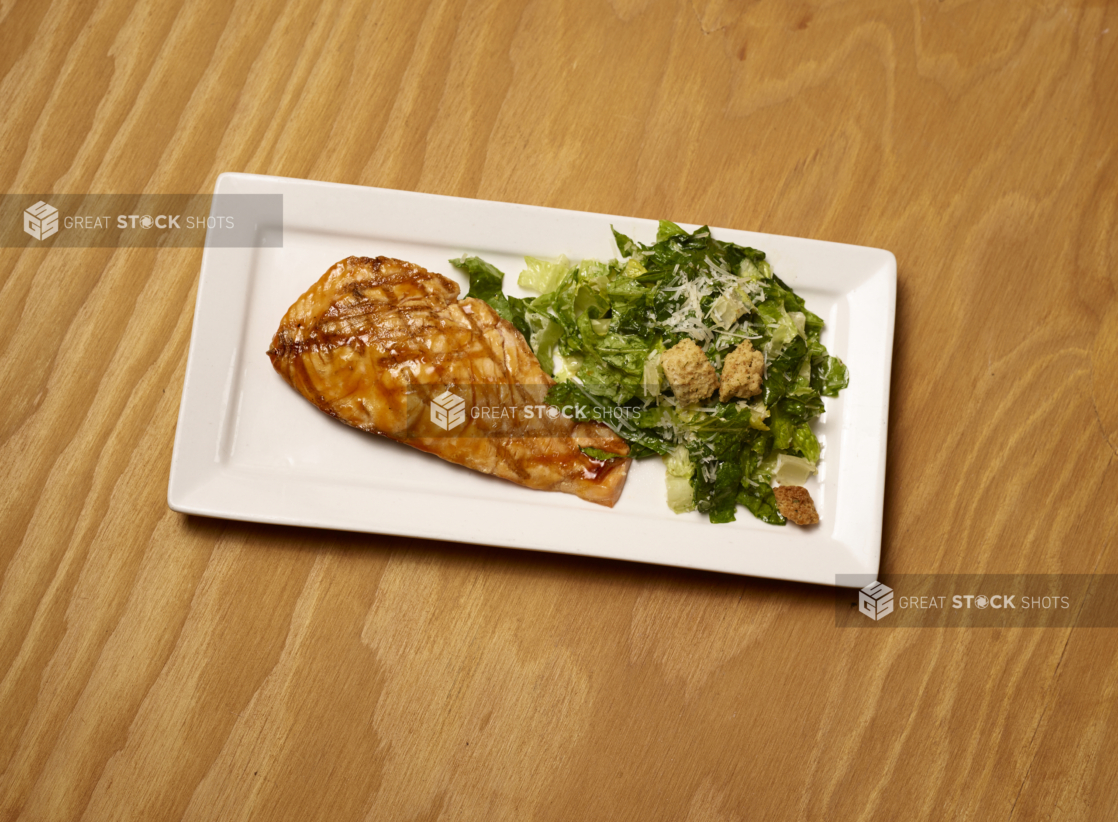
x=486, y=284
x=600, y=329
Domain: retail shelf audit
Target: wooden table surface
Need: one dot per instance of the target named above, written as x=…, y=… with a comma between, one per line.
x=155, y=666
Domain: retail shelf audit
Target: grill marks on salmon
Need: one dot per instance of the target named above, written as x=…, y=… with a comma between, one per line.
x=376, y=339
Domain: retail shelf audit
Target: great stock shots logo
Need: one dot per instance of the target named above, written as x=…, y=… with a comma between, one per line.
x=876, y=600
x=448, y=410
x=59, y=219
x=41, y=220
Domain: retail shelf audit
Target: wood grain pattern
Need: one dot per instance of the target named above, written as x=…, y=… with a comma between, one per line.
x=155, y=666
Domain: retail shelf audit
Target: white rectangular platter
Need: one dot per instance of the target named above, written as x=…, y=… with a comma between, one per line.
x=248, y=447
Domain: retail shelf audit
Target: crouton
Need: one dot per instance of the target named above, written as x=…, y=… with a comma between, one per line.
x=689, y=372
x=796, y=504
x=741, y=373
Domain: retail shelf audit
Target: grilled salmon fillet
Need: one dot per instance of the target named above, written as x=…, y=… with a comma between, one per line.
x=375, y=341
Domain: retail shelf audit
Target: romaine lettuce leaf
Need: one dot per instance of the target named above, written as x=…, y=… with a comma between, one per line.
x=578, y=403
x=678, y=470
x=543, y=276
x=829, y=377
x=486, y=284
x=805, y=441
x=598, y=453
x=624, y=245
x=668, y=229
x=761, y=502
x=792, y=470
